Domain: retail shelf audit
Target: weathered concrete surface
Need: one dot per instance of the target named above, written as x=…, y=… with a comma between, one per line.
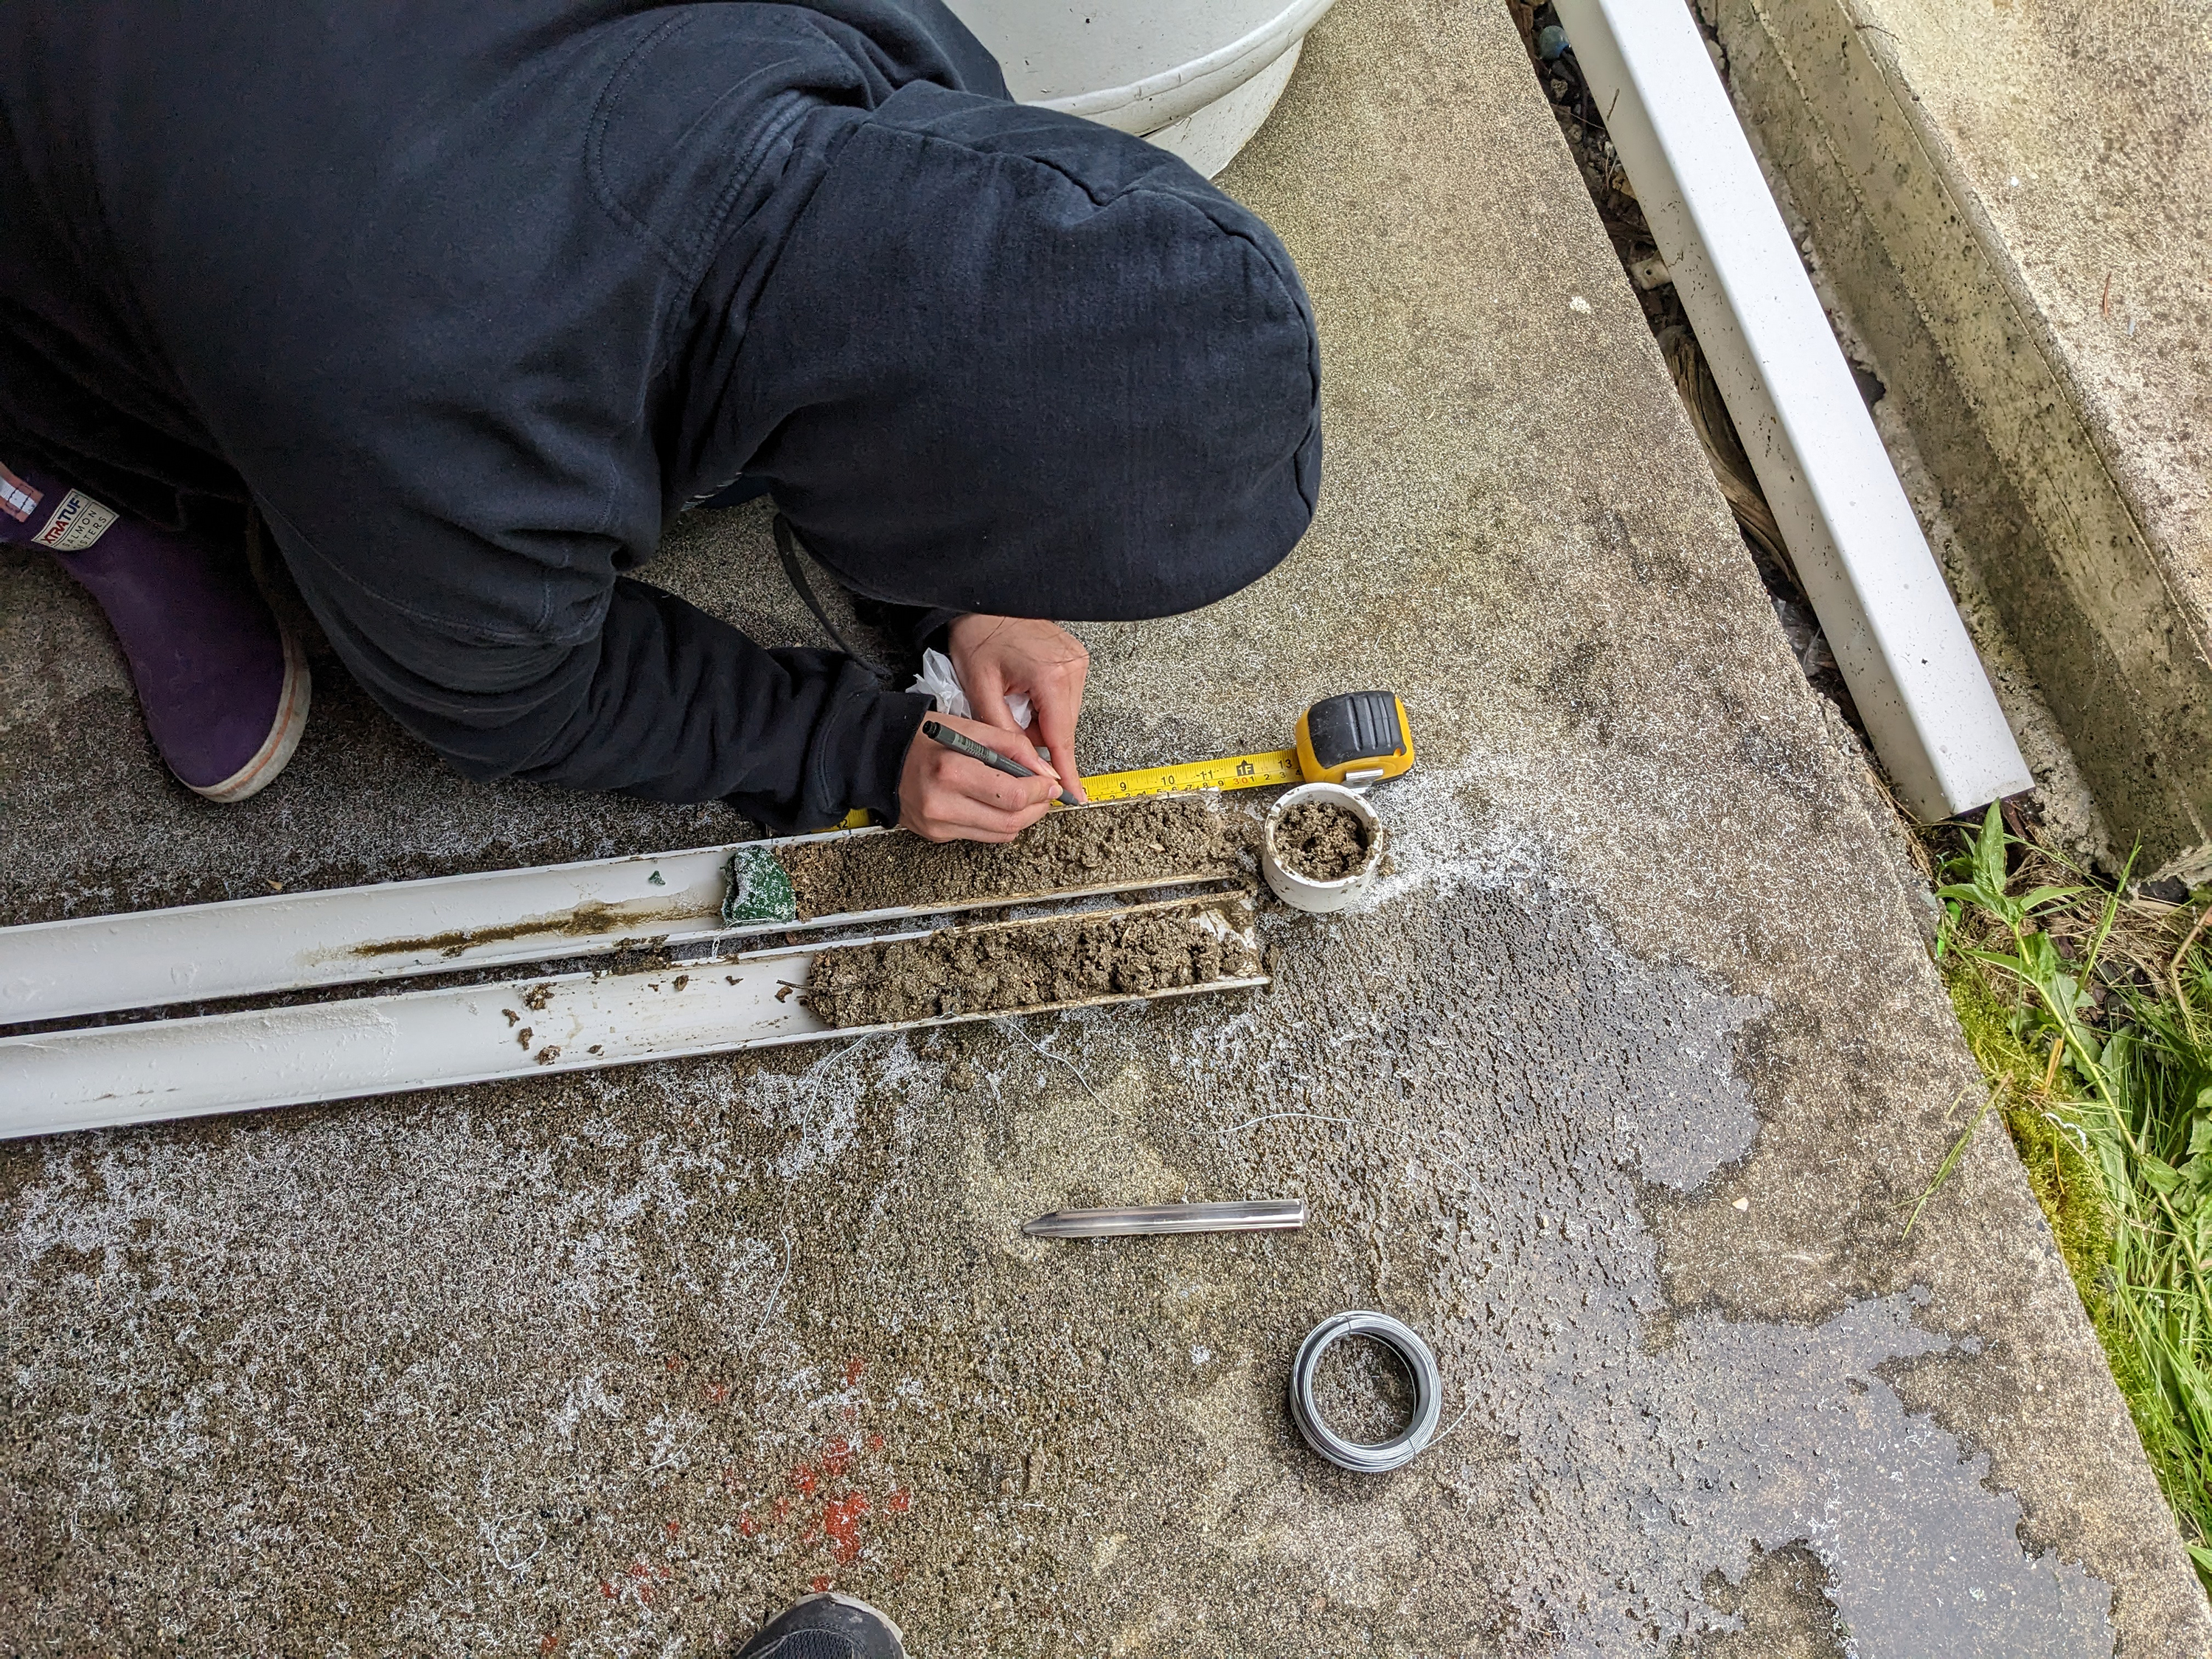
x=1616, y=1094
x=2013, y=201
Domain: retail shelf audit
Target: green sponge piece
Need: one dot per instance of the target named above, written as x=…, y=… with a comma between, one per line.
x=760, y=891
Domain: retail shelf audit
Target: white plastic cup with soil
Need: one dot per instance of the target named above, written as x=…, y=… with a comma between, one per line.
x=1300, y=888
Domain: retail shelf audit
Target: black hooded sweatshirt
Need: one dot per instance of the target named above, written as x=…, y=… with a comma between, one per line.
x=468, y=298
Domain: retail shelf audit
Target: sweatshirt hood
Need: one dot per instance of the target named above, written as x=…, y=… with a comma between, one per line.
x=1010, y=361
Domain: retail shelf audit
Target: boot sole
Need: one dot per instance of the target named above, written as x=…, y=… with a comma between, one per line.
x=868, y=1607
x=285, y=733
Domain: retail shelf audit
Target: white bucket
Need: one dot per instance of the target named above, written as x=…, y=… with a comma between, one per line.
x=1195, y=76
x=1302, y=892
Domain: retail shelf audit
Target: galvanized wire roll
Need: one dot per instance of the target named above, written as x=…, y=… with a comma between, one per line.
x=1428, y=1394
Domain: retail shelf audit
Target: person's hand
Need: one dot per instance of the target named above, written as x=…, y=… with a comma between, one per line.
x=994, y=655
x=945, y=796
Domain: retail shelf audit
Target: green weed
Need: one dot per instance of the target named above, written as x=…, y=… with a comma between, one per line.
x=2103, y=1067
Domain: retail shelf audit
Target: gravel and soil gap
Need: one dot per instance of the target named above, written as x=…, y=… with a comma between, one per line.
x=1582, y=123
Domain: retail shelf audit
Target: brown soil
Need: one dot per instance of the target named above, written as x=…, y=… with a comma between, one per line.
x=1322, y=841
x=587, y=920
x=1162, y=838
x=974, y=970
x=1363, y=1391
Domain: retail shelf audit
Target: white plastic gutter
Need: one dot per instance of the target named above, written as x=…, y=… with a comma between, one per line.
x=1851, y=533
x=104, y=1076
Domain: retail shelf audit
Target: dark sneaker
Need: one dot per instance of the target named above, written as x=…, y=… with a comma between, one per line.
x=829, y=1626
x=224, y=691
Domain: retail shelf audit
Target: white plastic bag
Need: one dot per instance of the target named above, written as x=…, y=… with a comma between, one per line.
x=939, y=679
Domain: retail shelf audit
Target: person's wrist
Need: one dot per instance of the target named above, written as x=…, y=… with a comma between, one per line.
x=892, y=734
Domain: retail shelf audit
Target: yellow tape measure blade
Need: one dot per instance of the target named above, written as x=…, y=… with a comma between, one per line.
x=1235, y=772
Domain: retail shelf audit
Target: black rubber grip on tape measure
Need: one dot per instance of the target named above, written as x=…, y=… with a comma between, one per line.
x=1358, y=726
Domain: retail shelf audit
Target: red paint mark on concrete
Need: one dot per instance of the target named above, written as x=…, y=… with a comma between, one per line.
x=896, y=1500
x=675, y=1362
x=820, y=1585
x=782, y=1508
x=841, y=1522
x=606, y=1590
x=671, y=1527
x=803, y=1479
x=854, y=1368
x=715, y=1393
x=835, y=1456
x=875, y=1443
x=747, y=1527
x=552, y=1641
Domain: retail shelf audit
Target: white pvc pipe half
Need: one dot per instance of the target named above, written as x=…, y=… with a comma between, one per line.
x=1852, y=534
x=104, y=1076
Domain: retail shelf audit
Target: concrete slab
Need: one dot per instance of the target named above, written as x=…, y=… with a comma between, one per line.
x=2012, y=200
x=1617, y=1095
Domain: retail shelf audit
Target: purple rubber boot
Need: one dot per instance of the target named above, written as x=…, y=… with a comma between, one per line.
x=224, y=691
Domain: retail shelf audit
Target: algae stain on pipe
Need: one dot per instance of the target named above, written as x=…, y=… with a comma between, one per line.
x=1858, y=549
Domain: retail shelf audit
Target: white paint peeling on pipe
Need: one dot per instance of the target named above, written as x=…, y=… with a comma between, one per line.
x=1859, y=548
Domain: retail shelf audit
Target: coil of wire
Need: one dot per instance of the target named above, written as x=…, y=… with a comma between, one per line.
x=1362, y=1457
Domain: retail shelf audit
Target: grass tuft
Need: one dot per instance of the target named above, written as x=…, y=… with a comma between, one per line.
x=2091, y=1013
